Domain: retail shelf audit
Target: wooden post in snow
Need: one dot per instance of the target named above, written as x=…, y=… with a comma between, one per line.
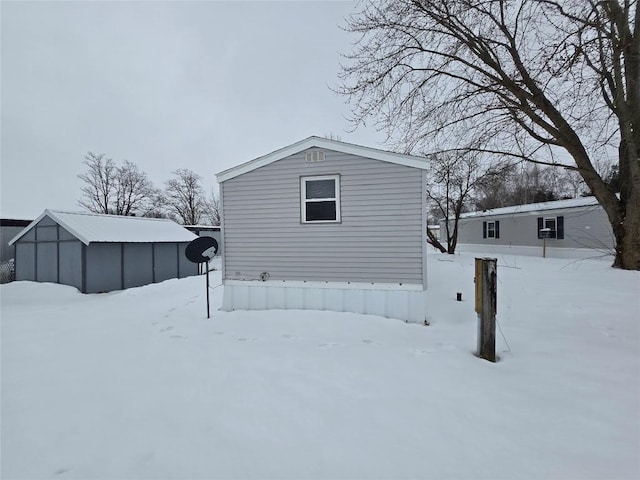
x=486, y=302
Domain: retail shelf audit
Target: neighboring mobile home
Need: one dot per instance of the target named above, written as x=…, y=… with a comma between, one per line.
x=326, y=225
x=100, y=253
x=576, y=228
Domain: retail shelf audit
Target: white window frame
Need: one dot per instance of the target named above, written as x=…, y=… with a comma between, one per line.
x=491, y=232
x=554, y=229
x=304, y=200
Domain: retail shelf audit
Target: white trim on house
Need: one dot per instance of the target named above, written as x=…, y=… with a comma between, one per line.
x=406, y=302
x=318, y=142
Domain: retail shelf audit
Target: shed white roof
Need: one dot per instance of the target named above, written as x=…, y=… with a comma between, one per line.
x=325, y=143
x=92, y=227
x=534, y=207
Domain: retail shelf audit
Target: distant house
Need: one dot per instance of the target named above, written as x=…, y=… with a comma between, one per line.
x=576, y=228
x=101, y=253
x=326, y=225
x=9, y=228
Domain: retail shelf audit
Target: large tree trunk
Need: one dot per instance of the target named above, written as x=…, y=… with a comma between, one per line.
x=627, y=235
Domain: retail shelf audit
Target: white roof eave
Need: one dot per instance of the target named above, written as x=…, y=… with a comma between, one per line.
x=318, y=142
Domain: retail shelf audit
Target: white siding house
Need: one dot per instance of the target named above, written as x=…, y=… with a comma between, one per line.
x=325, y=225
x=578, y=228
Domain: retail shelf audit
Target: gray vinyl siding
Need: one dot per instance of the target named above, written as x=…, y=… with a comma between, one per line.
x=379, y=238
x=584, y=227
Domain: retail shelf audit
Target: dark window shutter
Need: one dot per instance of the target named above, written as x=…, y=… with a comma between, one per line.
x=540, y=226
x=497, y=229
x=484, y=229
x=560, y=227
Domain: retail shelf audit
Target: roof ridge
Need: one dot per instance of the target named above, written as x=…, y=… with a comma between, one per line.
x=109, y=215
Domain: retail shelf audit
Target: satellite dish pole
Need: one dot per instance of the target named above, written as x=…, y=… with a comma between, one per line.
x=202, y=250
x=208, y=316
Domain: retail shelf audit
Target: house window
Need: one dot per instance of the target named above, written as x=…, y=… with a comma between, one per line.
x=491, y=229
x=320, y=199
x=551, y=227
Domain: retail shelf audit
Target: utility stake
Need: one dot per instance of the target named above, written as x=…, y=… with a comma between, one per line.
x=486, y=303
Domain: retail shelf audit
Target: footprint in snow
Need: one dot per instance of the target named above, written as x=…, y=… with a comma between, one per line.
x=329, y=345
x=424, y=351
x=179, y=336
x=288, y=336
x=60, y=471
x=166, y=329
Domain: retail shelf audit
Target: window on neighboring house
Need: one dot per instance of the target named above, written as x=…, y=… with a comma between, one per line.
x=491, y=229
x=552, y=226
x=320, y=199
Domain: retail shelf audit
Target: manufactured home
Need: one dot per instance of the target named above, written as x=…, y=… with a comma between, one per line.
x=100, y=253
x=574, y=228
x=326, y=225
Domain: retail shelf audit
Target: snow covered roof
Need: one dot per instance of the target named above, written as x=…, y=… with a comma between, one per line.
x=318, y=142
x=92, y=227
x=202, y=227
x=534, y=207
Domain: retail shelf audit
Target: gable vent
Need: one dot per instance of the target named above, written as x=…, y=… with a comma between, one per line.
x=315, y=156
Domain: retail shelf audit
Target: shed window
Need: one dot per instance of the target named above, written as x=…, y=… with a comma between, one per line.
x=320, y=199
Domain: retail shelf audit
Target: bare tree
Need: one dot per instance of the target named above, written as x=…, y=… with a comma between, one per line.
x=551, y=82
x=452, y=179
x=134, y=192
x=113, y=189
x=212, y=212
x=185, y=197
x=520, y=184
x=100, y=183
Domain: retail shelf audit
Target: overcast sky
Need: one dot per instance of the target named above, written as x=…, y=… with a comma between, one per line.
x=197, y=85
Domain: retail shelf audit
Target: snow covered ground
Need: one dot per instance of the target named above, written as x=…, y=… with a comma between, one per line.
x=140, y=384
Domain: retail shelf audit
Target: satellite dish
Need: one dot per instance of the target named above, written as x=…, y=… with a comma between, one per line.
x=201, y=250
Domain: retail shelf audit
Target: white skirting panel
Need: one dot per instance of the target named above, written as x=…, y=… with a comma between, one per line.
x=405, y=302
